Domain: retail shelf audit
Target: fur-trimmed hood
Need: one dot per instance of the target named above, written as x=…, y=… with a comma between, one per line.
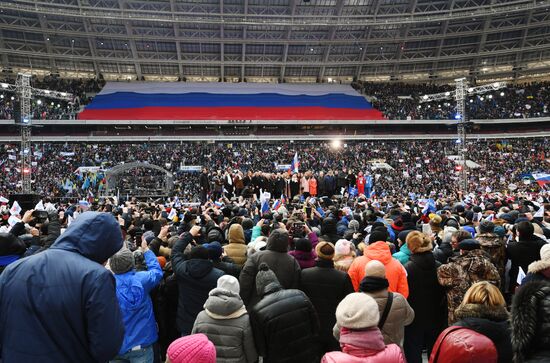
x=538, y=266
x=494, y=313
x=530, y=318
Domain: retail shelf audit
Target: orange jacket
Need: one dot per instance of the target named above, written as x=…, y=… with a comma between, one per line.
x=395, y=272
x=312, y=186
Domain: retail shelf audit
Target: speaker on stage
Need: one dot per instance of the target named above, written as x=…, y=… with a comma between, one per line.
x=26, y=201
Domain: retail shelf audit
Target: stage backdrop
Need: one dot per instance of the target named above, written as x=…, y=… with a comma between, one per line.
x=228, y=101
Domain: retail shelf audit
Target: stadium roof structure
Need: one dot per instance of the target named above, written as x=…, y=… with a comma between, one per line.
x=277, y=40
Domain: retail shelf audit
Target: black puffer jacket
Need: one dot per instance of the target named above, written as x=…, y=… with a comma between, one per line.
x=531, y=323
x=491, y=322
x=276, y=256
x=285, y=325
x=326, y=287
x=195, y=278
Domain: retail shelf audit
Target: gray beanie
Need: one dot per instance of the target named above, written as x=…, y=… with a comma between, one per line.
x=354, y=224
x=122, y=261
x=266, y=280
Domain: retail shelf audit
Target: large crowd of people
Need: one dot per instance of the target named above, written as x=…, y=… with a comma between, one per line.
x=391, y=167
x=330, y=278
x=400, y=101
x=397, y=101
x=44, y=108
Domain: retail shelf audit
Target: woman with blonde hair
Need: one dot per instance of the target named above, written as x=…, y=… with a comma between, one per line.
x=483, y=310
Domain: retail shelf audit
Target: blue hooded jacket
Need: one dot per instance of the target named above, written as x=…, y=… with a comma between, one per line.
x=60, y=305
x=132, y=291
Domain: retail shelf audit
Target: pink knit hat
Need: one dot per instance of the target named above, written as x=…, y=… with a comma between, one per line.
x=194, y=348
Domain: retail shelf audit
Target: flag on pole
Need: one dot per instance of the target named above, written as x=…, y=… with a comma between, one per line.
x=277, y=204
x=172, y=214
x=295, y=164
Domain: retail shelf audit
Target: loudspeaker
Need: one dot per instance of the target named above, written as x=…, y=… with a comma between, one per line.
x=26, y=201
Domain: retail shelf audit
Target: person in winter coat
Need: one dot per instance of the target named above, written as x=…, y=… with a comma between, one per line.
x=326, y=287
x=284, y=322
x=132, y=290
x=313, y=186
x=225, y=322
x=458, y=344
x=400, y=313
x=395, y=272
x=360, y=339
x=524, y=252
x=328, y=230
x=472, y=266
x=285, y=267
x=483, y=310
x=12, y=248
x=530, y=322
x=60, y=305
x=404, y=252
x=194, y=348
x=196, y=276
x=539, y=270
x=303, y=253
x=360, y=182
x=493, y=245
x=215, y=252
x=344, y=254
x=444, y=250
x=426, y=298
x=236, y=249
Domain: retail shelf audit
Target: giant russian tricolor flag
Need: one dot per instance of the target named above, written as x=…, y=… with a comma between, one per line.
x=228, y=101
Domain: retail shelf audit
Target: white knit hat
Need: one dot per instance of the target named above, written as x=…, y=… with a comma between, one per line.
x=357, y=311
x=230, y=283
x=342, y=247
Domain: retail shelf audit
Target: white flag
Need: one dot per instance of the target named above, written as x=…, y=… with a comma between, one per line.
x=172, y=214
x=15, y=208
x=4, y=200
x=12, y=220
x=540, y=212
x=39, y=206
x=521, y=276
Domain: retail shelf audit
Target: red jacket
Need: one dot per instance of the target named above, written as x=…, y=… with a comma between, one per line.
x=312, y=186
x=361, y=184
x=457, y=344
x=395, y=272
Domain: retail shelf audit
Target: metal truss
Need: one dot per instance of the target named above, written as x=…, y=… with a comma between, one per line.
x=461, y=92
x=277, y=39
x=25, y=92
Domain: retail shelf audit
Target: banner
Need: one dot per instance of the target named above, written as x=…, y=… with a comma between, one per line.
x=191, y=168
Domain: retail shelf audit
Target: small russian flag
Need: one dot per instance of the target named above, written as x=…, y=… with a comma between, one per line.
x=541, y=178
